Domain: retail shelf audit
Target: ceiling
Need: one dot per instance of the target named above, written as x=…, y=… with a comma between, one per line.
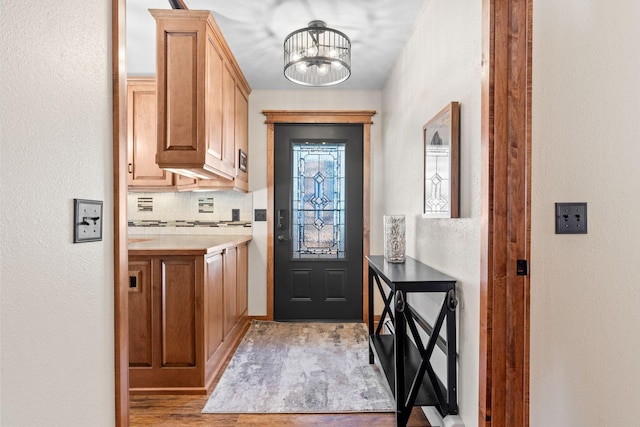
x=255, y=31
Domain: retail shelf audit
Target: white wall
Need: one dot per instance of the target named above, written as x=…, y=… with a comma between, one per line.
x=297, y=100
x=441, y=63
x=56, y=297
x=585, y=297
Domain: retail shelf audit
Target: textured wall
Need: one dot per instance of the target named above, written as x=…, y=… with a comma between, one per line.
x=585, y=297
x=56, y=296
x=440, y=63
x=298, y=100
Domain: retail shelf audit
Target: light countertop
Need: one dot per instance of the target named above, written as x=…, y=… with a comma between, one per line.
x=181, y=244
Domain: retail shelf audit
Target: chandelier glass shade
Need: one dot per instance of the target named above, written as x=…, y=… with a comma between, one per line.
x=317, y=56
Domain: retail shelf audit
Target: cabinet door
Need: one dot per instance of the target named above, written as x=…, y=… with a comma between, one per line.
x=242, y=138
x=179, y=92
x=171, y=355
x=141, y=136
x=180, y=317
x=228, y=119
x=235, y=138
x=230, y=310
x=213, y=102
x=213, y=307
x=140, y=314
x=241, y=280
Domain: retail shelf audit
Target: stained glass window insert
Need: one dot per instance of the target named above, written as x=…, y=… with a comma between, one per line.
x=318, y=200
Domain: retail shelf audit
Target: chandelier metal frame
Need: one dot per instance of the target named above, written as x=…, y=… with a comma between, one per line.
x=317, y=56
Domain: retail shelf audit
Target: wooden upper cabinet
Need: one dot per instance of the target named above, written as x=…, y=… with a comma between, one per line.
x=141, y=135
x=214, y=102
x=197, y=79
x=228, y=119
x=242, y=140
x=235, y=114
x=142, y=141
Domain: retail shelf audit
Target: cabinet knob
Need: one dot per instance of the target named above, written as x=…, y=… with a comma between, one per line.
x=130, y=167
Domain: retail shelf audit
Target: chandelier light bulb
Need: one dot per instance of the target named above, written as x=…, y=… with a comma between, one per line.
x=312, y=51
x=302, y=67
x=323, y=69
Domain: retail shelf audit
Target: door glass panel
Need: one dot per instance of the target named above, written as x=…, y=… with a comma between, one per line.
x=318, y=200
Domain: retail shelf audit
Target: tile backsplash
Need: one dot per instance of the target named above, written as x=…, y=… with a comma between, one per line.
x=189, y=213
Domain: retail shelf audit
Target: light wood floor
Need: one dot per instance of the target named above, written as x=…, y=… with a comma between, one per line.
x=170, y=410
x=185, y=411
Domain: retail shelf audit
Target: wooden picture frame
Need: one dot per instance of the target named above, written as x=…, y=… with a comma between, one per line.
x=441, y=178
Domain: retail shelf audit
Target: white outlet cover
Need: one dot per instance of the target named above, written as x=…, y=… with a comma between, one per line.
x=87, y=219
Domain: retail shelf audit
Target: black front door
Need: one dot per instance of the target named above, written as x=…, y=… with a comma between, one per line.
x=318, y=222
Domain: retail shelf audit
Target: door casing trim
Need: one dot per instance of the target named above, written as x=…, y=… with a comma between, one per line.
x=315, y=117
x=506, y=213
x=494, y=21
x=120, y=252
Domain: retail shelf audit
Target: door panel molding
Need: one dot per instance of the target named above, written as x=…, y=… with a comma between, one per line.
x=315, y=117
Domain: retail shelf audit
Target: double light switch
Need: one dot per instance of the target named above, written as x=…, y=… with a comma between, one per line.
x=87, y=220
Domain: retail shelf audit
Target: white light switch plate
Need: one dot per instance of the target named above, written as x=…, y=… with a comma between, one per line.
x=87, y=219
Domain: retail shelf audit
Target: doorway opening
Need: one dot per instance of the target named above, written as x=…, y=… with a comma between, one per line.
x=362, y=120
x=506, y=57
x=318, y=203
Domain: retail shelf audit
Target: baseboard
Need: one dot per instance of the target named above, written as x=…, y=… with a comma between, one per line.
x=376, y=318
x=167, y=390
x=435, y=420
x=219, y=362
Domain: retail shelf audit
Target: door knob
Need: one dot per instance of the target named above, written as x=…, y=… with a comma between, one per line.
x=281, y=238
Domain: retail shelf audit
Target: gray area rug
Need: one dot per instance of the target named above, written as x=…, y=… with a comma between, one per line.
x=301, y=368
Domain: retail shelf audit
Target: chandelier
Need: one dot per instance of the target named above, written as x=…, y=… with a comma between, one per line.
x=317, y=56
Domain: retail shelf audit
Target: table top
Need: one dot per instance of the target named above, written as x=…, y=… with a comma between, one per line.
x=411, y=271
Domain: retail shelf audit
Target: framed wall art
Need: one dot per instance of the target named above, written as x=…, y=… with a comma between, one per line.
x=441, y=163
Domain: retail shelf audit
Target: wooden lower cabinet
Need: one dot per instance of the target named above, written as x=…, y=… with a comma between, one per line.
x=242, y=283
x=140, y=307
x=213, y=304
x=183, y=320
x=230, y=273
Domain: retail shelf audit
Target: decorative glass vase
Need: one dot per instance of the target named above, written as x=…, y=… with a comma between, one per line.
x=394, y=238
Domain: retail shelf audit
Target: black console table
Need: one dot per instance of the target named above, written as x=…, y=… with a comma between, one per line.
x=406, y=362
